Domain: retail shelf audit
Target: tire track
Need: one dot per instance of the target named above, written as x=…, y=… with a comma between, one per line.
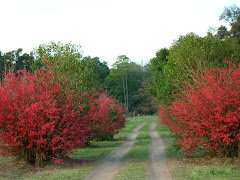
x=110, y=165
x=158, y=167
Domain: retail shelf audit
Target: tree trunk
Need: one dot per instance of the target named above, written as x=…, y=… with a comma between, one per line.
x=126, y=95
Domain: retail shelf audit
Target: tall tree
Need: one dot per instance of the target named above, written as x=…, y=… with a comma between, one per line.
x=67, y=62
x=222, y=32
x=232, y=16
x=146, y=104
x=101, y=70
x=122, y=67
x=124, y=80
x=158, y=84
x=1, y=62
x=15, y=60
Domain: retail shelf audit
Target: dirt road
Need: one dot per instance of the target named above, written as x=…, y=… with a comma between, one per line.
x=110, y=165
x=157, y=166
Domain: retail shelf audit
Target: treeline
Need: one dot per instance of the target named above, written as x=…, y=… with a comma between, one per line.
x=56, y=99
x=197, y=82
x=126, y=81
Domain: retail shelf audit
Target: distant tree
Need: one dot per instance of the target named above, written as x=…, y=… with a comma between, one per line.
x=1, y=62
x=24, y=61
x=235, y=30
x=9, y=59
x=158, y=84
x=222, y=32
x=137, y=74
x=232, y=16
x=146, y=104
x=15, y=60
x=101, y=70
x=124, y=80
x=122, y=68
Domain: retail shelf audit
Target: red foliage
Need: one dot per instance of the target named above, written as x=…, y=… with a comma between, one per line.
x=104, y=115
x=208, y=114
x=38, y=119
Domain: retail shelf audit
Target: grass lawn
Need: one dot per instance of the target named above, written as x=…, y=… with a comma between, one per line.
x=76, y=164
x=199, y=165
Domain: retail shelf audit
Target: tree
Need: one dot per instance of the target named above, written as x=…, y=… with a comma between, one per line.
x=1, y=62
x=187, y=58
x=15, y=60
x=66, y=61
x=222, y=32
x=158, y=83
x=122, y=67
x=124, y=80
x=232, y=16
x=101, y=70
x=146, y=104
x=191, y=54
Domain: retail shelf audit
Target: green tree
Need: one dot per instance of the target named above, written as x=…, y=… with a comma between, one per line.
x=15, y=60
x=9, y=59
x=159, y=85
x=1, y=62
x=101, y=70
x=24, y=61
x=67, y=62
x=188, y=57
x=222, y=32
x=191, y=54
x=146, y=104
x=124, y=80
x=122, y=68
x=232, y=16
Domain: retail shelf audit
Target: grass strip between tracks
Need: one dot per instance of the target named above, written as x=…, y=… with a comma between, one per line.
x=135, y=162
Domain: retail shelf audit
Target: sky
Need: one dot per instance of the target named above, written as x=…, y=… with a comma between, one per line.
x=106, y=28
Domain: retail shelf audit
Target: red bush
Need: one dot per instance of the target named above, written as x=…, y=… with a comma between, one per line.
x=38, y=120
x=104, y=115
x=208, y=114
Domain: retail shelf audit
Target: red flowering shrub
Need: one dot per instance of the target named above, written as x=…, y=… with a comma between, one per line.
x=104, y=115
x=38, y=120
x=208, y=114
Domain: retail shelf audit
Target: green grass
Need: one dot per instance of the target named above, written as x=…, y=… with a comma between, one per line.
x=208, y=172
x=76, y=166
x=199, y=165
x=134, y=165
x=80, y=163
x=98, y=150
x=57, y=174
x=5, y=159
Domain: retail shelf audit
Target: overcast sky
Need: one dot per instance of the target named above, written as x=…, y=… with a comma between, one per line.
x=106, y=28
